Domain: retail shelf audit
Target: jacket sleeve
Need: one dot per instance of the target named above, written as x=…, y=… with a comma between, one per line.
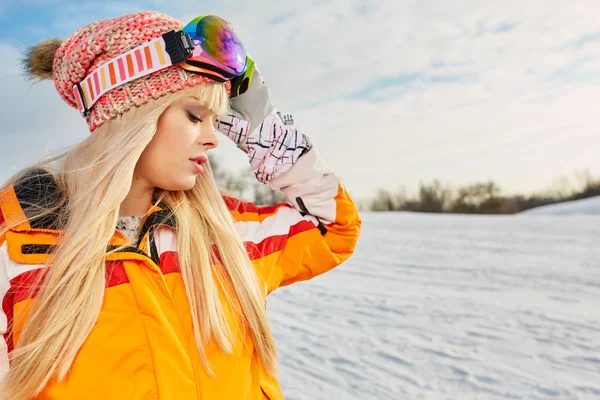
x=314, y=231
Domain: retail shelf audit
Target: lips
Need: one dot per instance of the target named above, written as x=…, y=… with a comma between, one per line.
x=198, y=162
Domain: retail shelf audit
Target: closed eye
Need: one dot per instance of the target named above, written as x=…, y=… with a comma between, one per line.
x=193, y=117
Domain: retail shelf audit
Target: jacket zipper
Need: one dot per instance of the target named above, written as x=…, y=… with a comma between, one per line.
x=191, y=342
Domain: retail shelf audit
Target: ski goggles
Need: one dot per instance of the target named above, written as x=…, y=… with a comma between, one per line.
x=207, y=46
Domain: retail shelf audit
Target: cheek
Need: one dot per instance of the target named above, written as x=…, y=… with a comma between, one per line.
x=167, y=141
x=164, y=162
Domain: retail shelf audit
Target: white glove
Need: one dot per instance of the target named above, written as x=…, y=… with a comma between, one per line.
x=272, y=142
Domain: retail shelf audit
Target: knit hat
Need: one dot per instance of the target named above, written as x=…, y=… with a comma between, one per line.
x=70, y=61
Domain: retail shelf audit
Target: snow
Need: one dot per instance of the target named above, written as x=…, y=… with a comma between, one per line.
x=589, y=206
x=449, y=307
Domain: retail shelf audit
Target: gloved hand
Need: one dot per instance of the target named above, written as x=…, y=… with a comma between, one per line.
x=272, y=144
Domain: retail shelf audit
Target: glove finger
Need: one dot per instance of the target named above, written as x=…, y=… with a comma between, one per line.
x=233, y=126
x=255, y=104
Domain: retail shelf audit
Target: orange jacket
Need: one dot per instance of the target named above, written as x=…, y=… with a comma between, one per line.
x=142, y=346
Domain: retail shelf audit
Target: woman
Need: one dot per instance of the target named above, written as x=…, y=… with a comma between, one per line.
x=171, y=304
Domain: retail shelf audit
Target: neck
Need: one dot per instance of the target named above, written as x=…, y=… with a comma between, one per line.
x=138, y=199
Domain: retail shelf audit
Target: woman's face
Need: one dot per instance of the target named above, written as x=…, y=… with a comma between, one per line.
x=178, y=150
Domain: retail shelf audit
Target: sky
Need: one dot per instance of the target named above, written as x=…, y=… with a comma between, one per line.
x=392, y=93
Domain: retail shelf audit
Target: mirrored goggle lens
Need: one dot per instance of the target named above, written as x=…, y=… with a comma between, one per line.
x=218, y=41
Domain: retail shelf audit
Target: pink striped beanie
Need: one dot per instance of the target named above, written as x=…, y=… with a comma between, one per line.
x=97, y=43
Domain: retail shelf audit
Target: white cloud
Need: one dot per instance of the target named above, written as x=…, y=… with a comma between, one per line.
x=394, y=92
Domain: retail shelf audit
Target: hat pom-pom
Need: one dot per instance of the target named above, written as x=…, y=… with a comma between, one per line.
x=39, y=59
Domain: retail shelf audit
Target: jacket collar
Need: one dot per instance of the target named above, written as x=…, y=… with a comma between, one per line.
x=32, y=240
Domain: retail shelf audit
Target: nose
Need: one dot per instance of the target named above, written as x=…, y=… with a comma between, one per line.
x=208, y=136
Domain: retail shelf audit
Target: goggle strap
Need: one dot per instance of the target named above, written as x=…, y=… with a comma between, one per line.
x=153, y=56
x=178, y=45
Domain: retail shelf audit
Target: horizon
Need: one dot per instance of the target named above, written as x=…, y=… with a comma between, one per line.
x=391, y=93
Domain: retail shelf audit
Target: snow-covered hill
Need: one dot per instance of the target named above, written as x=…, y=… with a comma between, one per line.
x=589, y=206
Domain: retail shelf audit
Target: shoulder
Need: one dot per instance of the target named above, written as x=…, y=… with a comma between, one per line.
x=242, y=210
x=34, y=191
x=239, y=205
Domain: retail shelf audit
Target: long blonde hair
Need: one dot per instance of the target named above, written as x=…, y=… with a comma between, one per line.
x=95, y=177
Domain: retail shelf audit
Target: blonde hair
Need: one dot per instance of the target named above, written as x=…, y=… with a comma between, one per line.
x=95, y=178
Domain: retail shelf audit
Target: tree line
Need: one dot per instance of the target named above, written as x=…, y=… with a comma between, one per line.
x=481, y=197
x=433, y=197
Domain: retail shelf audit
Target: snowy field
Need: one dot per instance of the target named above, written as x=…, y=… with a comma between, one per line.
x=449, y=307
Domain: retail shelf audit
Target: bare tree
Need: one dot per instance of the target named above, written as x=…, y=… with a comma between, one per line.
x=384, y=201
x=434, y=197
x=476, y=197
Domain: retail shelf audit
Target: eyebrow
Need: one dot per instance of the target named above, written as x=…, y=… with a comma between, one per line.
x=200, y=108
